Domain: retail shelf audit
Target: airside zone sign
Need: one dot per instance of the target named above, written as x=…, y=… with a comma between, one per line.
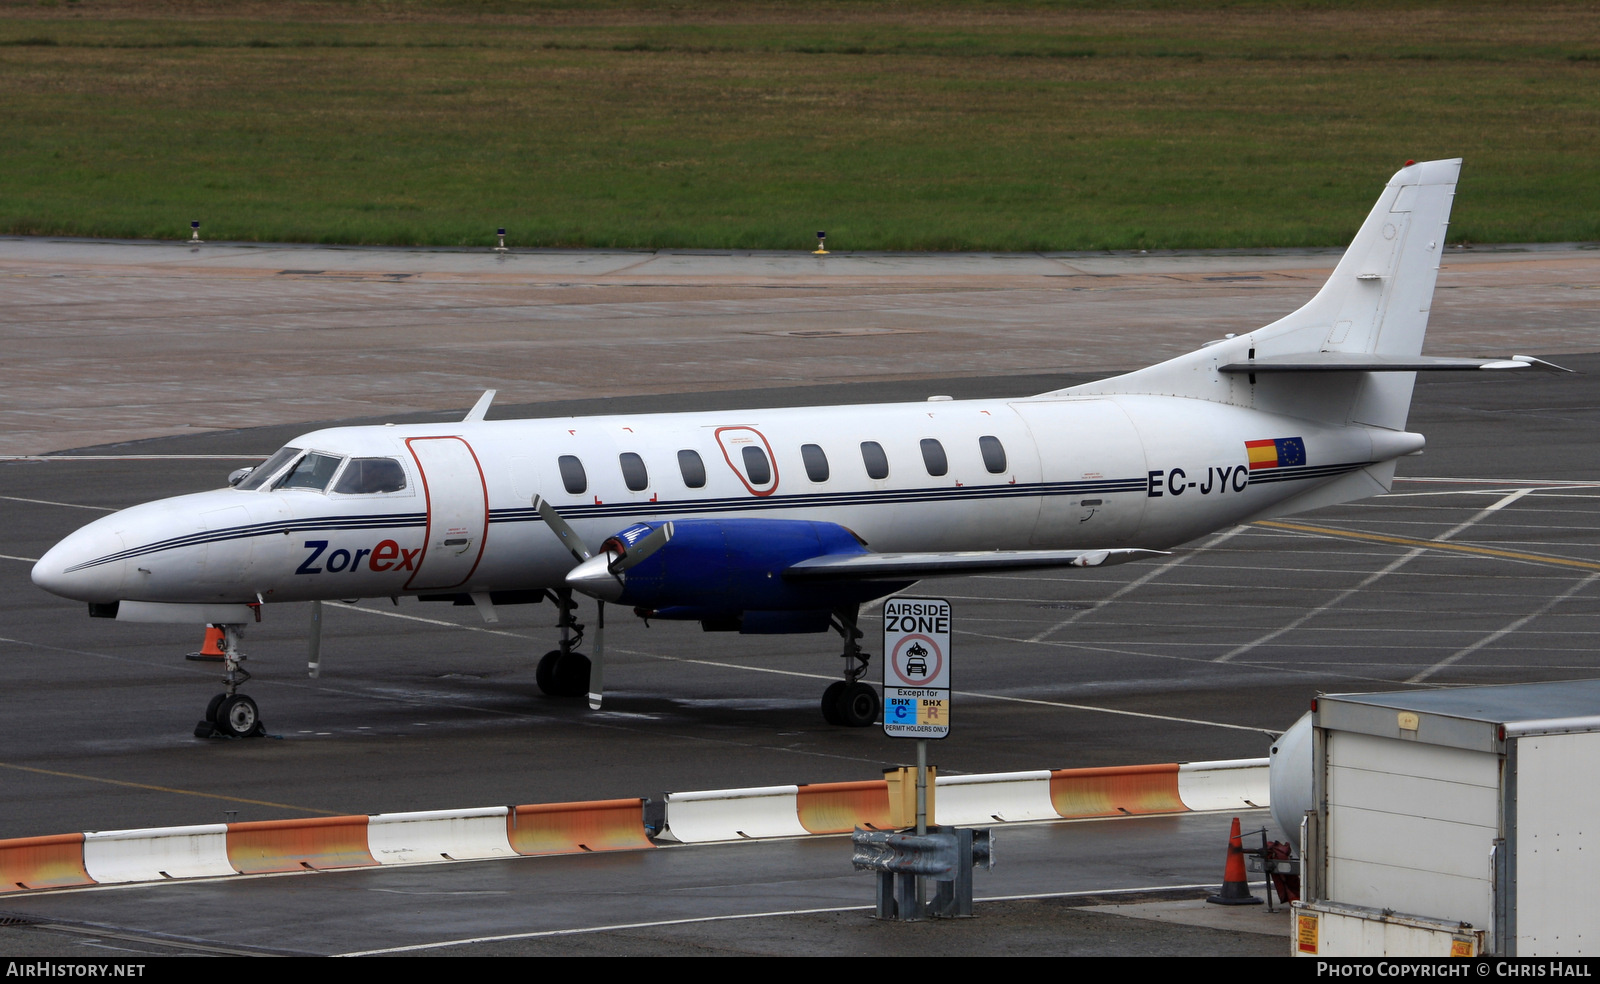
x=916, y=667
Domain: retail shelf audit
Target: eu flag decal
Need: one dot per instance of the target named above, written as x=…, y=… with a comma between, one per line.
x=1283, y=452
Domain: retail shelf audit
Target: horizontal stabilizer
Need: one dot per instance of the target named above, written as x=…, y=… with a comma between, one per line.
x=1361, y=362
x=901, y=566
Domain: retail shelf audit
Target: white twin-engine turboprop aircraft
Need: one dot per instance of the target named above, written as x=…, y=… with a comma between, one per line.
x=771, y=521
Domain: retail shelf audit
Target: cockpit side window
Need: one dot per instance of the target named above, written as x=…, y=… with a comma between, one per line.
x=314, y=472
x=267, y=469
x=364, y=476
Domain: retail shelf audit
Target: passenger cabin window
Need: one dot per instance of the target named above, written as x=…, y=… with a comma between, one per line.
x=364, y=476
x=876, y=461
x=933, y=456
x=634, y=474
x=694, y=470
x=816, y=462
x=994, y=454
x=756, y=465
x=259, y=475
x=313, y=472
x=572, y=477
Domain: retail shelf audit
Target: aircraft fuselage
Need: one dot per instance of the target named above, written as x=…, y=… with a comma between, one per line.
x=1128, y=470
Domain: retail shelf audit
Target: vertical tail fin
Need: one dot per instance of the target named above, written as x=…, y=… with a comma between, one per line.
x=1377, y=300
x=1376, y=303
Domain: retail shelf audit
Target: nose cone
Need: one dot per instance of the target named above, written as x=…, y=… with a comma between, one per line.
x=84, y=566
x=594, y=578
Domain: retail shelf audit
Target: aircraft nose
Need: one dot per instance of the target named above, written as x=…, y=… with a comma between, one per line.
x=75, y=568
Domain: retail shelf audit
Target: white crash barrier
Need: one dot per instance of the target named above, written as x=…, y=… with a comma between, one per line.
x=734, y=814
x=971, y=801
x=439, y=835
x=156, y=853
x=1233, y=784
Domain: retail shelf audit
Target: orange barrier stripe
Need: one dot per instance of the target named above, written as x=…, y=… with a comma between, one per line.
x=840, y=807
x=55, y=861
x=1116, y=792
x=569, y=828
x=296, y=845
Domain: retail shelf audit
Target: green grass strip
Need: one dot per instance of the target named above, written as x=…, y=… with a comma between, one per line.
x=893, y=126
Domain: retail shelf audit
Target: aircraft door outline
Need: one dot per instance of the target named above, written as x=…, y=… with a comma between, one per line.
x=458, y=511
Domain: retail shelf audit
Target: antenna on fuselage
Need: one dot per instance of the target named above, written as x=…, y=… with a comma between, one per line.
x=481, y=407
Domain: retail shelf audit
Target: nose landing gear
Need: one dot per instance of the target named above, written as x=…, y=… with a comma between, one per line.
x=849, y=702
x=231, y=714
x=565, y=672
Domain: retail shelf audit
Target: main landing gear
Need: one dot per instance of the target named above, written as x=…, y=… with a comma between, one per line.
x=850, y=702
x=230, y=714
x=564, y=672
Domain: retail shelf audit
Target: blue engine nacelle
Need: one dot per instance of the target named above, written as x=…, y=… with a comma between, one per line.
x=728, y=573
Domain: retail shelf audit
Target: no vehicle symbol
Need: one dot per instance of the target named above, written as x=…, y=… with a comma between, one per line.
x=917, y=660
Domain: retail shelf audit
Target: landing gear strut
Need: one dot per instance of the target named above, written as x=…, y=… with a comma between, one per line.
x=564, y=672
x=230, y=713
x=850, y=702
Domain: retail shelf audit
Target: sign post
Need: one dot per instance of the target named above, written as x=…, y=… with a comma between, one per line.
x=916, y=684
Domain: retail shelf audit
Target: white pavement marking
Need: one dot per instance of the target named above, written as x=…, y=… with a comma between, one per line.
x=1514, y=482
x=49, y=502
x=426, y=621
x=694, y=920
x=1373, y=578
x=1137, y=583
x=25, y=560
x=1484, y=513
x=985, y=696
x=1337, y=600
x=1507, y=630
x=820, y=676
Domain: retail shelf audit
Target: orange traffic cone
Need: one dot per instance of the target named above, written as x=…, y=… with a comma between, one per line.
x=211, y=651
x=1235, y=882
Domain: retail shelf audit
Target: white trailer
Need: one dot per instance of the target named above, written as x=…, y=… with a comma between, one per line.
x=1453, y=823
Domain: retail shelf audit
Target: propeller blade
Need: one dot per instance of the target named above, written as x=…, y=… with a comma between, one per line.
x=574, y=543
x=597, y=662
x=314, y=643
x=640, y=551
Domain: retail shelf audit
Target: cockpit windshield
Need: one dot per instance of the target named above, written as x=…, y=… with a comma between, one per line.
x=267, y=469
x=314, y=472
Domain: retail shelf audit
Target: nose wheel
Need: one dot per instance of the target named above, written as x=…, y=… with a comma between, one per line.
x=231, y=714
x=231, y=717
x=851, y=705
x=565, y=672
x=562, y=674
x=849, y=702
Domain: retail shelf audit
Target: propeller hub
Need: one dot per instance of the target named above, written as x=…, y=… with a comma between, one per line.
x=595, y=578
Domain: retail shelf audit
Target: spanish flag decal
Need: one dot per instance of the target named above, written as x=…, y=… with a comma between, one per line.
x=1281, y=453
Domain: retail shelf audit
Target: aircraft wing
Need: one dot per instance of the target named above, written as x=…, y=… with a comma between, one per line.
x=903, y=566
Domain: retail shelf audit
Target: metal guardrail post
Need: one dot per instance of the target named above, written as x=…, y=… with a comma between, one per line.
x=945, y=854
